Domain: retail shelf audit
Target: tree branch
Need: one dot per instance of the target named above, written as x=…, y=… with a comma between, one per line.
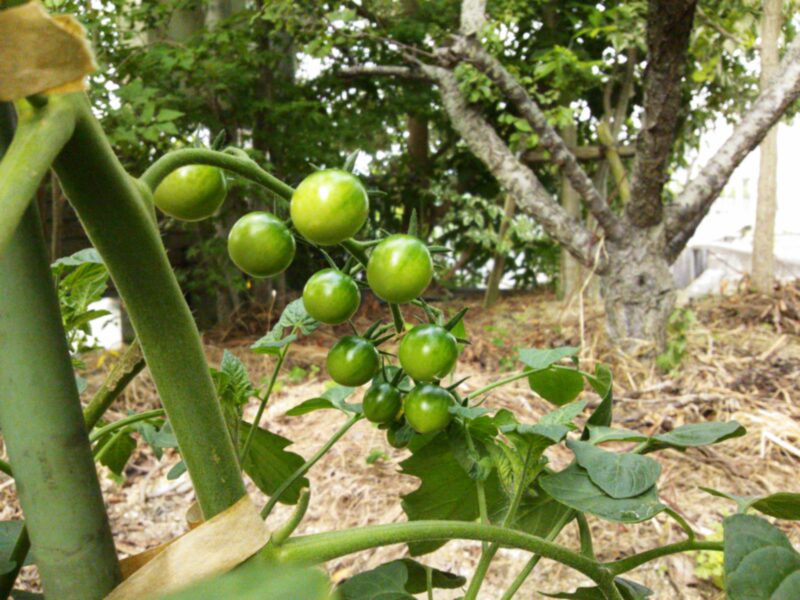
x=669, y=23
x=383, y=71
x=473, y=16
x=471, y=50
x=581, y=153
x=515, y=177
x=697, y=197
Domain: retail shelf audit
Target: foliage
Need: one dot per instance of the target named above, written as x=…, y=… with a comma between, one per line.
x=678, y=326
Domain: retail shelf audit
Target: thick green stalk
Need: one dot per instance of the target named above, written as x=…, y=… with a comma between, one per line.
x=323, y=547
x=117, y=221
x=627, y=564
x=242, y=166
x=306, y=466
x=43, y=428
x=40, y=136
x=122, y=373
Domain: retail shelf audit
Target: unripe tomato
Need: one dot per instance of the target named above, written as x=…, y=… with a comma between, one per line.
x=399, y=268
x=397, y=436
x=329, y=206
x=427, y=408
x=428, y=352
x=260, y=244
x=331, y=296
x=352, y=361
x=382, y=403
x=191, y=193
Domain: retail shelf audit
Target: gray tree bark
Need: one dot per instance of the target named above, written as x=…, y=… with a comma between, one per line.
x=764, y=235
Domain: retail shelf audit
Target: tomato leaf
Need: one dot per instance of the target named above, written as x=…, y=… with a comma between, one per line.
x=618, y=474
x=541, y=358
x=9, y=532
x=294, y=317
x=599, y=434
x=557, y=385
x=696, y=434
x=399, y=579
x=630, y=590
x=602, y=383
x=334, y=398
x=783, y=505
x=445, y=490
x=760, y=562
x=269, y=465
x=573, y=487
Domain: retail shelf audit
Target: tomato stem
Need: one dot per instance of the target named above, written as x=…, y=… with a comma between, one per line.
x=242, y=166
x=284, y=531
x=124, y=422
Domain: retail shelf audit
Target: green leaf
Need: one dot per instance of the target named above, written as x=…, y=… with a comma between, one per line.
x=697, y=434
x=9, y=532
x=23, y=595
x=557, y=385
x=260, y=580
x=541, y=514
x=618, y=474
x=445, y=490
x=602, y=383
x=269, y=465
x=398, y=579
x=760, y=562
x=478, y=466
x=783, y=505
x=630, y=590
x=116, y=451
x=176, y=471
x=598, y=434
x=87, y=255
x=541, y=358
x=236, y=388
x=350, y=161
x=294, y=317
x=333, y=398
x=168, y=114
x=573, y=487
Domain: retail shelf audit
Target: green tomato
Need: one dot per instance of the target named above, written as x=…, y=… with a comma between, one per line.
x=261, y=245
x=352, y=361
x=191, y=193
x=399, y=268
x=397, y=435
x=382, y=403
x=331, y=296
x=428, y=352
x=427, y=408
x=329, y=206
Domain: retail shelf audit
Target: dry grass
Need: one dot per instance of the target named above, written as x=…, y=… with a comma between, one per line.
x=738, y=366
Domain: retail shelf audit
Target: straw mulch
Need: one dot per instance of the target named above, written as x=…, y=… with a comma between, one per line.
x=742, y=363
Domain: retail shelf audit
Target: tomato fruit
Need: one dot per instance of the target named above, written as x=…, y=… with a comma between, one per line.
x=399, y=268
x=427, y=408
x=331, y=296
x=381, y=403
x=398, y=435
x=191, y=193
x=428, y=352
x=260, y=244
x=352, y=361
x=329, y=206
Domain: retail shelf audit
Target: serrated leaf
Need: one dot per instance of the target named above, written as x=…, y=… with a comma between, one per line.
x=237, y=388
x=760, y=562
x=618, y=474
x=573, y=487
x=541, y=358
x=87, y=255
x=269, y=465
x=294, y=317
x=445, y=490
x=557, y=385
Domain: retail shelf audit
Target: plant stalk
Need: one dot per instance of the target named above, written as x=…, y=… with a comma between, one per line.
x=116, y=219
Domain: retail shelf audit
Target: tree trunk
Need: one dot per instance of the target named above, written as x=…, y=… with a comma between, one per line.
x=570, y=276
x=764, y=235
x=638, y=290
x=496, y=276
x=418, y=148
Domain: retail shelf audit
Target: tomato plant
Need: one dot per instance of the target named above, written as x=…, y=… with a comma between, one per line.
x=261, y=245
x=191, y=193
x=331, y=297
x=481, y=471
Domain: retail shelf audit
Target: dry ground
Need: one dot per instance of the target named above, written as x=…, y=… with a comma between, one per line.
x=742, y=363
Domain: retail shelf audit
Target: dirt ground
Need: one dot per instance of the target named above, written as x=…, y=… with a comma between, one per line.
x=743, y=354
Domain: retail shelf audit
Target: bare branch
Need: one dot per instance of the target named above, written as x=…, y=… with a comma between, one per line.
x=473, y=16
x=669, y=23
x=383, y=71
x=581, y=153
x=471, y=50
x=697, y=197
x=515, y=177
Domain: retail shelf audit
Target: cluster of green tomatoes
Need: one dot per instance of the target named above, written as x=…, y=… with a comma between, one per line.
x=329, y=207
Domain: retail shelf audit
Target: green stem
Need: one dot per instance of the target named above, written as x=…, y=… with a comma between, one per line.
x=124, y=422
x=262, y=405
x=489, y=553
x=429, y=581
x=245, y=167
x=122, y=373
x=500, y=383
x=44, y=432
x=328, y=546
x=284, y=531
x=101, y=451
x=585, y=534
x=397, y=317
x=6, y=468
x=627, y=564
x=40, y=135
x=304, y=468
x=356, y=250
x=534, y=560
x=682, y=522
x=118, y=223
